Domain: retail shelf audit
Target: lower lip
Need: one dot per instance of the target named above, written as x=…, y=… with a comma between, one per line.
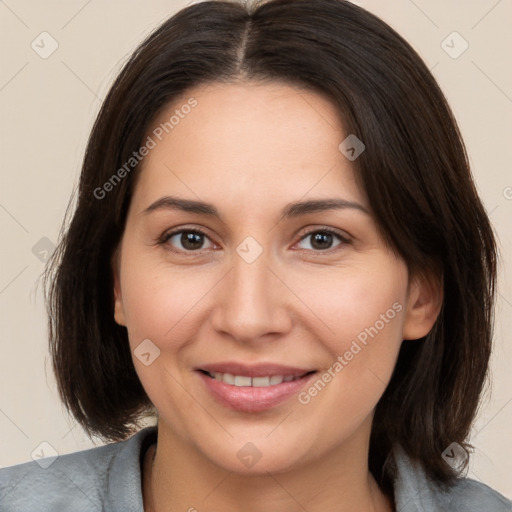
x=253, y=399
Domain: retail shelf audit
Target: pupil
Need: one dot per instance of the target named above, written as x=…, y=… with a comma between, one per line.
x=319, y=237
x=188, y=240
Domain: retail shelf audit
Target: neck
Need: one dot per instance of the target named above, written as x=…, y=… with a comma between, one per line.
x=177, y=478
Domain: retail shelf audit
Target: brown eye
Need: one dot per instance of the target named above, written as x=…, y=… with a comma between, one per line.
x=191, y=240
x=322, y=239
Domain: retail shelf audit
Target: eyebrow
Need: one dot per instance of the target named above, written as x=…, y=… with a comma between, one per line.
x=291, y=210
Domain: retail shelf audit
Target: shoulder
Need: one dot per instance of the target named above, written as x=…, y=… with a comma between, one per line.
x=81, y=481
x=415, y=492
x=475, y=495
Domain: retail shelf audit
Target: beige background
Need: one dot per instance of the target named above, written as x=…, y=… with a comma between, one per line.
x=47, y=110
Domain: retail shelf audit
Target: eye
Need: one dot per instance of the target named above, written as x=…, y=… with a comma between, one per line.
x=322, y=241
x=191, y=240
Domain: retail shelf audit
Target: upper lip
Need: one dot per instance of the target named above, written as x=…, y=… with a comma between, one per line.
x=254, y=370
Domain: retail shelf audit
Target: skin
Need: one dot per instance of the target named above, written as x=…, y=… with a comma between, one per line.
x=250, y=149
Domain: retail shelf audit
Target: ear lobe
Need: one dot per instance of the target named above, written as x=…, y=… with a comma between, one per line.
x=119, y=316
x=423, y=306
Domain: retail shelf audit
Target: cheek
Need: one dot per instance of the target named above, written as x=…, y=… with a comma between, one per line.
x=356, y=302
x=364, y=309
x=159, y=300
x=367, y=322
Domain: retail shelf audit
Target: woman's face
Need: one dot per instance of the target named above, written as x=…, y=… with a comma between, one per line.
x=263, y=294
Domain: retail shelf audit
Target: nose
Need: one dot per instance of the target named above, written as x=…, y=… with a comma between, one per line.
x=253, y=302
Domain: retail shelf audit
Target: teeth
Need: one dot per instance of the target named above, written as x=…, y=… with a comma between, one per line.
x=242, y=381
x=260, y=382
x=276, y=379
x=228, y=378
x=257, y=382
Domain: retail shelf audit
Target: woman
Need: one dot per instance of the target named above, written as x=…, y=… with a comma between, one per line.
x=279, y=251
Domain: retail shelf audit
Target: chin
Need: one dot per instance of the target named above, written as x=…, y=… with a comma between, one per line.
x=257, y=458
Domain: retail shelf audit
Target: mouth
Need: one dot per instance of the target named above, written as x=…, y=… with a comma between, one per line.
x=257, y=382
x=253, y=388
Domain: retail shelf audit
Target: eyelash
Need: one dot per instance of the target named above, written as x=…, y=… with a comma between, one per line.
x=167, y=236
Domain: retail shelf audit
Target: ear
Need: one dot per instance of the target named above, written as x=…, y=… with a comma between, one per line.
x=118, y=299
x=424, y=303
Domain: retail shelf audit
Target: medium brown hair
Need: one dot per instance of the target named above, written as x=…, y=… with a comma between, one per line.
x=414, y=171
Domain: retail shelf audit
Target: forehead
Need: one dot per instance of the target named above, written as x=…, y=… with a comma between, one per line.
x=264, y=142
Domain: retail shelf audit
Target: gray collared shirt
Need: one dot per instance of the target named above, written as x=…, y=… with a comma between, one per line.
x=108, y=479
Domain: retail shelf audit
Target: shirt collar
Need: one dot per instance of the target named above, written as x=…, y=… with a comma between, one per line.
x=414, y=490
x=124, y=485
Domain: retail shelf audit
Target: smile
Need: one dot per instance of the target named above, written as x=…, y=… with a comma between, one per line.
x=254, y=388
